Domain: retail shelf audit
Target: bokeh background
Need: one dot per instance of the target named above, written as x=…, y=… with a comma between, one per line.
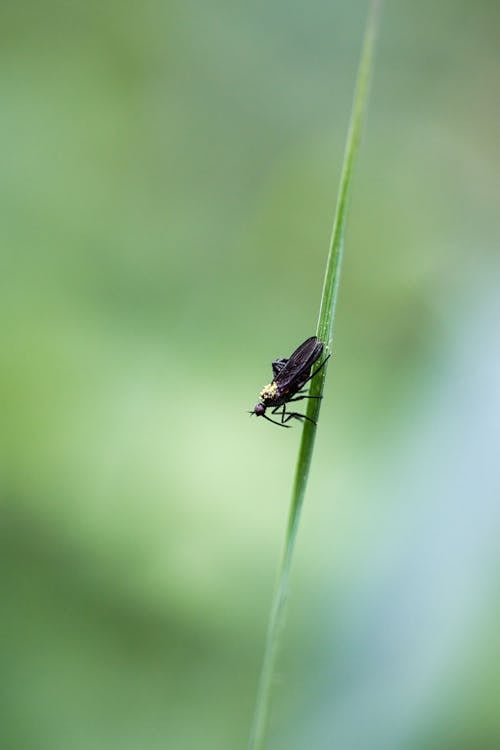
x=168, y=177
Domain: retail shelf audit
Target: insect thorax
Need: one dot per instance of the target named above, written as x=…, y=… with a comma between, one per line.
x=268, y=392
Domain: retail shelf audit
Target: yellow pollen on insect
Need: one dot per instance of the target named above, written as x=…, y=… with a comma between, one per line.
x=269, y=391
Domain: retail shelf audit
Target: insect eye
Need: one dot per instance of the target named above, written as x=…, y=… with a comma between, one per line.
x=259, y=410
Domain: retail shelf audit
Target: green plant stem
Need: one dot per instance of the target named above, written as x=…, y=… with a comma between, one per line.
x=324, y=333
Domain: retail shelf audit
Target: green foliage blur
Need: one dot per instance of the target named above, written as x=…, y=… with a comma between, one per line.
x=169, y=175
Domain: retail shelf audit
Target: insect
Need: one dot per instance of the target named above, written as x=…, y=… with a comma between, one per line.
x=289, y=378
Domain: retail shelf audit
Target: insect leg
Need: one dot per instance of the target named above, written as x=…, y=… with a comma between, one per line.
x=275, y=411
x=280, y=424
x=299, y=398
x=296, y=415
x=316, y=370
x=283, y=412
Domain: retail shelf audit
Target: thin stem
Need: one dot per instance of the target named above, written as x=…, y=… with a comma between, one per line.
x=324, y=332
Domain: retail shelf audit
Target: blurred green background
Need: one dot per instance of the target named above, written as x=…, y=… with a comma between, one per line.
x=169, y=173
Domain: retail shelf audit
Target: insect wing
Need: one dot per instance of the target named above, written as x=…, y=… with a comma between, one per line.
x=278, y=365
x=297, y=368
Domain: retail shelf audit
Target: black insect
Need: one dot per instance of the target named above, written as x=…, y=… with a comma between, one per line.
x=289, y=378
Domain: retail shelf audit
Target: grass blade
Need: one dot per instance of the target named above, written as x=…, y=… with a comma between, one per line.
x=324, y=333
